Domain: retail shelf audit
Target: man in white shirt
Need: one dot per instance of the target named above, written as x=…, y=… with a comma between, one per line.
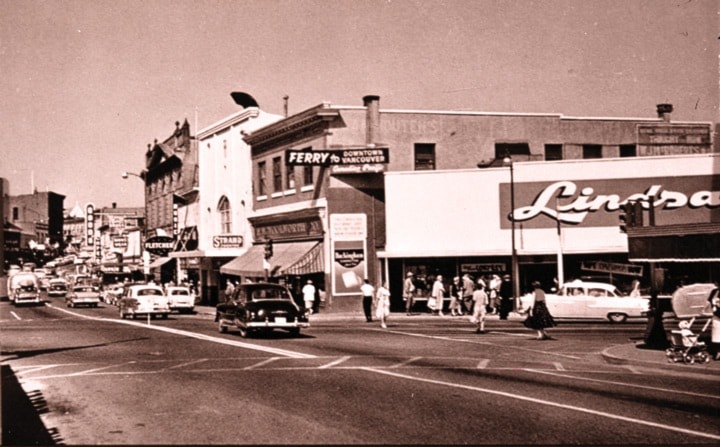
x=308, y=292
x=368, y=291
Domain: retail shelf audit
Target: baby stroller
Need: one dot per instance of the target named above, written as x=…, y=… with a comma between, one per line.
x=689, y=302
x=685, y=347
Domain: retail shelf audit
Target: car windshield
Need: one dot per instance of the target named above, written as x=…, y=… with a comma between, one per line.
x=145, y=292
x=179, y=292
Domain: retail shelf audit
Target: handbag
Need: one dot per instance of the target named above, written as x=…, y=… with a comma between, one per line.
x=432, y=303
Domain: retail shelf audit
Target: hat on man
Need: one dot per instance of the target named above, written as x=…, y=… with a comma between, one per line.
x=409, y=274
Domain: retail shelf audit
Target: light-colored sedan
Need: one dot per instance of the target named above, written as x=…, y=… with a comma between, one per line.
x=591, y=300
x=180, y=299
x=83, y=296
x=57, y=287
x=143, y=299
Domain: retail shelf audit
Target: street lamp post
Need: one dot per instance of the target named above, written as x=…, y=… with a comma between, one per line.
x=514, y=260
x=145, y=254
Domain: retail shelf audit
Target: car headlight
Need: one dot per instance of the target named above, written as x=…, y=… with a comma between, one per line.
x=262, y=313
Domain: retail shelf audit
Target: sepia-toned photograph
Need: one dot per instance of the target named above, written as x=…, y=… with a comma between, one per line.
x=360, y=222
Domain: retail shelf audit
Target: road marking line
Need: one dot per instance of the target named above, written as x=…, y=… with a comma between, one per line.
x=548, y=403
x=483, y=364
x=17, y=317
x=188, y=363
x=282, y=352
x=335, y=362
x=36, y=369
x=631, y=385
x=559, y=366
x=406, y=362
x=258, y=364
x=80, y=373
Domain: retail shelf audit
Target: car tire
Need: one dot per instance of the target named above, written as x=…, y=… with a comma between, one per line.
x=617, y=318
x=244, y=332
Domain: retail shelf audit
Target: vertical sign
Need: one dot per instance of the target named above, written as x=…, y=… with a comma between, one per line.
x=89, y=224
x=348, y=233
x=175, y=221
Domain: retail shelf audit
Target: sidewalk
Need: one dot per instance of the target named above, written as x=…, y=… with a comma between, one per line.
x=631, y=353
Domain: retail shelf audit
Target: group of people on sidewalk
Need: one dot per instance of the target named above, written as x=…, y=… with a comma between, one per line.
x=475, y=298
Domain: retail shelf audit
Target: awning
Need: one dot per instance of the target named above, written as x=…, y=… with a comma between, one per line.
x=159, y=262
x=292, y=258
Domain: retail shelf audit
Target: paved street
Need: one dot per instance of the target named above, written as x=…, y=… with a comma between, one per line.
x=85, y=376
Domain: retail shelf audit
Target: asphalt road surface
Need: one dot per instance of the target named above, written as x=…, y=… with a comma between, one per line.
x=83, y=376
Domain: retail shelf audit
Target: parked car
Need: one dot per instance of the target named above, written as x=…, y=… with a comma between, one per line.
x=261, y=306
x=23, y=288
x=180, y=299
x=57, y=287
x=83, y=295
x=112, y=294
x=591, y=300
x=143, y=299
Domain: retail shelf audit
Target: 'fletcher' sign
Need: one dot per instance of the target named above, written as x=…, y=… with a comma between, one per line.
x=356, y=156
x=159, y=245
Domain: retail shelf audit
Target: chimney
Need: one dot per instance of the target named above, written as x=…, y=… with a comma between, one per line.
x=664, y=111
x=372, y=118
x=114, y=205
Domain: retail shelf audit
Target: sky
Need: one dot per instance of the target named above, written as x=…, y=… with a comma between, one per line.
x=88, y=84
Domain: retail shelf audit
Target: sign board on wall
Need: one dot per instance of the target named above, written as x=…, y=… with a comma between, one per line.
x=349, y=156
x=348, y=234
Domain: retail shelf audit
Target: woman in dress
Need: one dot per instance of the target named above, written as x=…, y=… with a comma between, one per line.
x=539, y=317
x=382, y=304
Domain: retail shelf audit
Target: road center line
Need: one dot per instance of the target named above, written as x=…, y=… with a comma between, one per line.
x=259, y=364
x=548, y=403
x=17, y=317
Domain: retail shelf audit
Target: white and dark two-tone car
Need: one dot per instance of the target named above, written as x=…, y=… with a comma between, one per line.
x=591, y=300
x=83, y=295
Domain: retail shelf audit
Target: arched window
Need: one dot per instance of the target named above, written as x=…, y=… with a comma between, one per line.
x=225, y=216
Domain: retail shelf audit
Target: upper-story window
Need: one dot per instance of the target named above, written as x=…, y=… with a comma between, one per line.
x=290, y=177
x=277, y=174
x=262, y=178
x=308, y=176
x=592, y=151
x=628, y=150
x=225, y=215
x=553, y=152
x=503, y=150
x=424, y=156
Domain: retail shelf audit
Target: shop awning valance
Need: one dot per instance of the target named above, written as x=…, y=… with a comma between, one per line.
x=159, y=262
x=291, y=258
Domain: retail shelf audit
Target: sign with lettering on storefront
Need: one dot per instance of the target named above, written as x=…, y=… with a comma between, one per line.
x=159, y=245
x=612, y=267
x=596, y=202
x=227, y=241
x=350, y=156
x=289, y=230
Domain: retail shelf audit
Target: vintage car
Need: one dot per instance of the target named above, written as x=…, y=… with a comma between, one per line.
x=180, y=299
x=591, y=300
x=57, y=287
x=143, y=299
x=23, y=288
x=112, y=294
x=261, y=307
x=82, y=295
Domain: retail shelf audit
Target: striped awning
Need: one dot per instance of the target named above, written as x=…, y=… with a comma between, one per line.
x=289, y=258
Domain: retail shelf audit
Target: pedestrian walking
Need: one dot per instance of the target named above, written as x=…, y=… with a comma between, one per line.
x=493, y=288
x=438, y=293
x=468, y=285
x=382, y=304
x=308, y=292
x=506, y=297
x=456, y=297
x=714, y=303
x=480, y=303
x=539, y=317
x=229, y=289
x=368, y=291
x=408, y=292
